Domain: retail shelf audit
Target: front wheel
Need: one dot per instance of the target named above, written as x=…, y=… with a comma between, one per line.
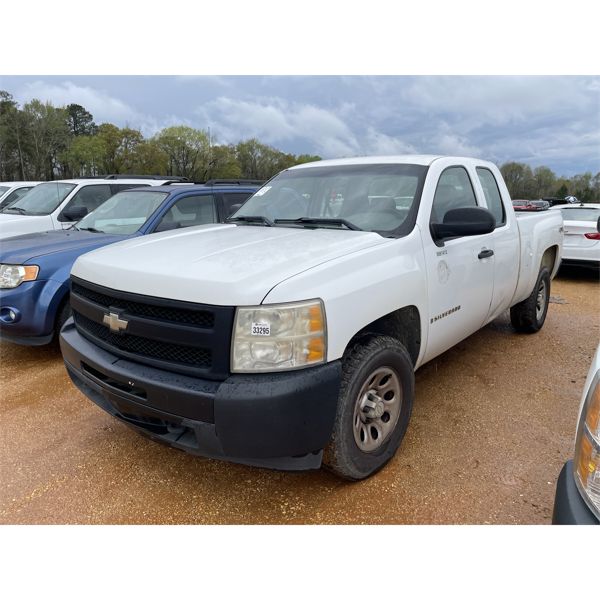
x=529, y=315
x=374, y=408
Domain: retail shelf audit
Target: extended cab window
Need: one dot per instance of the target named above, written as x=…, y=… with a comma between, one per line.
x=189, y=211
x=492, y=195
x=454, y=190
x=90, y=196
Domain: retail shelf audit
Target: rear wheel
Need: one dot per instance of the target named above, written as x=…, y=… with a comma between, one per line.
x=374, y=408
x=529, y=315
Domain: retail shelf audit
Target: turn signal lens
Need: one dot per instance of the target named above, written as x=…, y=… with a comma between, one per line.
x=592, y=417
x=587, y=448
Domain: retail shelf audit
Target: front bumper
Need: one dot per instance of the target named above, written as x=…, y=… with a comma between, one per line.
x=569, y=507
x=36, y=304
x=279, y=420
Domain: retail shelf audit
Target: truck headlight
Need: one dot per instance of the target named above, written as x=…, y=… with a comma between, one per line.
x=278, y=337
x=12, y=276
x=587, y=448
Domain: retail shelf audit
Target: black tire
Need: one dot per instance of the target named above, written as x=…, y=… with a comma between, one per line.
x=343, y=455
x=526, y=316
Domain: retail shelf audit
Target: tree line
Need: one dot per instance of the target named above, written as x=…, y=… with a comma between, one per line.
x=40, y=141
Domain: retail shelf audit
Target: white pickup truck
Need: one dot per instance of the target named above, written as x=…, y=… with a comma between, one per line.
x=290, y=336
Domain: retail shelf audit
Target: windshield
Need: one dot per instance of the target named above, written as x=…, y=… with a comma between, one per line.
x=580, y=214
x=377, y=197
x=124, y=213
x=3, y=189
x=42, y=199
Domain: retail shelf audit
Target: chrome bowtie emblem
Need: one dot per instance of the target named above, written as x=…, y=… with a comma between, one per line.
x=114, y=322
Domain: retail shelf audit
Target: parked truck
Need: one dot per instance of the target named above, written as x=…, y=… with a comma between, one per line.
x=289, y=337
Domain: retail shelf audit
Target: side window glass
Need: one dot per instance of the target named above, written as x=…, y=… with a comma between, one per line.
x=492, y=195
x=231, y=202
x=189, y=211
x=454, y=190
x=91, y=196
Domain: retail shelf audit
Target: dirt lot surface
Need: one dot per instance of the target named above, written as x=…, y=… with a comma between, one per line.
x=493, y=423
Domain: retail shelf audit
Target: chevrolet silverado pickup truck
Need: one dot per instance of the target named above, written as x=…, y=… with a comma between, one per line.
x=289, y=337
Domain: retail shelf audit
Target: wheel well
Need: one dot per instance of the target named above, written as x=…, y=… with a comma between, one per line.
x=403, y=324
x=63, y=301
x=549, y=258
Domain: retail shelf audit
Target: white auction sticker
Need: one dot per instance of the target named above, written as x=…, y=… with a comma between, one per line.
x=261, y=329
x=263, y=190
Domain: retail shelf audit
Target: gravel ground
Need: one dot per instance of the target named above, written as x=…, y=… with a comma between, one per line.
x=493, y=423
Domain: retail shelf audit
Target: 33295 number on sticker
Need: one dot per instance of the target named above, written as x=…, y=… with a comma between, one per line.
x=261, y=329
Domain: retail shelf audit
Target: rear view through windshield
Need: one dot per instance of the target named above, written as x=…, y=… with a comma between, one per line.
x=124, y=213
x=378, y=197
x=43, y=199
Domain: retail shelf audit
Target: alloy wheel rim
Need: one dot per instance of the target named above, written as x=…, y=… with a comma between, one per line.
x=377, y=409
x=540, y=302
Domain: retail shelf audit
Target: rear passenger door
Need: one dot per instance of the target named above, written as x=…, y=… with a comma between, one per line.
x=189, y=211
x=460, y=275
x=505, y=242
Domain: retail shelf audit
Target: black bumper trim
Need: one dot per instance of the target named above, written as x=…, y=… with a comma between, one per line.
x=280, y=421
x=569, y=507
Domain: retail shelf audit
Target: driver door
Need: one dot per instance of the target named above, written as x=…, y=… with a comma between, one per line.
x=460, y=271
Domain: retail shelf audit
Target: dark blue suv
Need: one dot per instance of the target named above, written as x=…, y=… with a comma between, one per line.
x=34, y=268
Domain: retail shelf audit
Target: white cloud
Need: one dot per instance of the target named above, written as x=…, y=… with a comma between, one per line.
x=103, y=106
x=275, y=120
x=378, y=143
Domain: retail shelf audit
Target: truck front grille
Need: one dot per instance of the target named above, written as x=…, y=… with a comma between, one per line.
x=187, y=355
x=173, y=335
x=201, y=318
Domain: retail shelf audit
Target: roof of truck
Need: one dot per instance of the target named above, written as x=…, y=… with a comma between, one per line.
x=412, y=159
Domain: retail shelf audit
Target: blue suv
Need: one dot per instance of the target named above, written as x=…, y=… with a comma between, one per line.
x=34, y=268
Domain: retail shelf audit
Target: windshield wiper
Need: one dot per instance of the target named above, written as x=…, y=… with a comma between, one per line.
x=320, y=221
x=17, y=209
x=92, y=229
x=252, y=219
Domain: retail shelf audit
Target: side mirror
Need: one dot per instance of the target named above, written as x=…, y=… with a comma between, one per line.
x=473, y=220
x=73, y=213
x=598, y=225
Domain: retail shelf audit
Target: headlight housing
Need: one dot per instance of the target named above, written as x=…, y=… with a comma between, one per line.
x=279, y=337
x=587, y=448
x=12, y=276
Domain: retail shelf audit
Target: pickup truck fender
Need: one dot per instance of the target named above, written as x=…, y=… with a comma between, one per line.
x=541, y=244
x=361, y=287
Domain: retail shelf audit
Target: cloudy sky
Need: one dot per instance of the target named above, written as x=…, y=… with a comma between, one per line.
x=553, y=121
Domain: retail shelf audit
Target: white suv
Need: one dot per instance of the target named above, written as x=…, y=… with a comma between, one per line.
x=57, y=204
x=11, y=191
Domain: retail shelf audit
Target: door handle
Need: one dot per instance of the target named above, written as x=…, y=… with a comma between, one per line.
x=485, y=253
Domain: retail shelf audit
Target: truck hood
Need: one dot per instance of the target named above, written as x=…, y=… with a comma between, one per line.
x=23, y=248
x=225, y=265
x=14, y=224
